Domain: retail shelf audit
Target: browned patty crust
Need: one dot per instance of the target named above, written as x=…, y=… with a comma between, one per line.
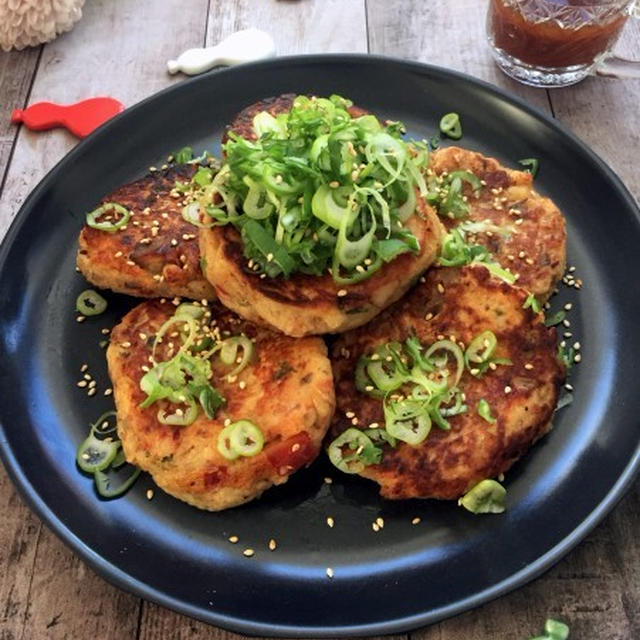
x=287, y=391
x=534, y=247
x=156, y=253
x=458, y=302
x=305, y=304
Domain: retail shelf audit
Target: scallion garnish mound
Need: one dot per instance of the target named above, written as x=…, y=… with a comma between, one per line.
x=183, y=352
x=418, y=386
x=319, y=190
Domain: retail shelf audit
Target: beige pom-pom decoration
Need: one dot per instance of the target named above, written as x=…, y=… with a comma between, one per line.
x=25, y=23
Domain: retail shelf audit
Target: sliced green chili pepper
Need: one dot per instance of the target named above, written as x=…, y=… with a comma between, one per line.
x=109, y=225
x=246, y=438
x=407, y=421
x=488, y=496
x=229, y=353
x=104, y=484
x=450, y=126
x=241, y=438
x=352, y=451
x=90, y=303
x=448, y=347
x=484, y=411
x=95, y=454
x=530, y=165
x=480, y=349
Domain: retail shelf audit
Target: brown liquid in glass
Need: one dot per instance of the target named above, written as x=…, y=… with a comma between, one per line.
x=546, y=43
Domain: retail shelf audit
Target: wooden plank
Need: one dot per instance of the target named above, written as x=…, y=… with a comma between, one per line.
x=16, y=74
x=604, y=112
x=19, y=530
x=305, y=26
x=447, y=34
x=595, y=589
x=68, y=600
x=297, y=27
x=119, y=48
x=129, y=64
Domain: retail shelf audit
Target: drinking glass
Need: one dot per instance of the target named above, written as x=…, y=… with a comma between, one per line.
x=554, y=43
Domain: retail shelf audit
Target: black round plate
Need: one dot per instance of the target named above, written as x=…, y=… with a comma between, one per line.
x=405, y=575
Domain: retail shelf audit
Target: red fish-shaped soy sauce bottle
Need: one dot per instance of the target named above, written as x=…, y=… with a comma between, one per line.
x=81, y=118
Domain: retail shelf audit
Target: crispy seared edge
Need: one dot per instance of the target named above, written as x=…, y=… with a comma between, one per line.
x=139, y=261
x=536, y=249
x=523, y=399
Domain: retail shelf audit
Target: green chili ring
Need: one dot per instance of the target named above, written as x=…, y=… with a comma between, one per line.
x=450, y=126
x=108, y=225
x=90, y=303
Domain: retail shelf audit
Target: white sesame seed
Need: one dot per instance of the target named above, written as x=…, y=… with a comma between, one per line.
x=91, y=392
x=149, y=494
x=248, y=553
x=329, y=572
x=342, y=293
x=528, y=366
x=415, y=521
x=330, y=522
x=576, y=345
x=233, y=539
x=577, y=357
x=507, y=389
x=272, y=545
x=82, y=383
x=81, y=319
x=328, y=480
x=375, y=526
x=108, y=392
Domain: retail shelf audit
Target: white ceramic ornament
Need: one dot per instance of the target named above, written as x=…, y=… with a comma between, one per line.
x=242, y=46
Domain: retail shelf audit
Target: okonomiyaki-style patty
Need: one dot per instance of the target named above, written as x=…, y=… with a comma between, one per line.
x=531, y=241
x=306, y=304
x=310, y=304
x=286, y=391
x=457, y=304
x=156, y=252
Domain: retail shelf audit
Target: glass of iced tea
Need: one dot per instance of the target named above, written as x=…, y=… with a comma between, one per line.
x=554, y=43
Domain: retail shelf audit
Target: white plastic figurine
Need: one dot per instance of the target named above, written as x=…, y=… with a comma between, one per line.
x=243, y=46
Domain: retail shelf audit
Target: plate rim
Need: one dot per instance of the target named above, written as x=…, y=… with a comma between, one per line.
x=116, y=576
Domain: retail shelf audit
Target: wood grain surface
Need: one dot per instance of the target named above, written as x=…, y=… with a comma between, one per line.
x=120, y=48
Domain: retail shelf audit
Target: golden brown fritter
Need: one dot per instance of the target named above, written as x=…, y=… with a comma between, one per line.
x=459, y=302
x=156, y=253
x=534, y=244
x=287, y=391
x=306, y=304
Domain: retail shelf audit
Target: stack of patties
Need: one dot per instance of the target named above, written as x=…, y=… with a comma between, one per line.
x=315, y=223
x=454, y=383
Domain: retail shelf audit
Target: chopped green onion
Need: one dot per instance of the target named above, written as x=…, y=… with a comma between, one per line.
x=184, y=155
x=530, y=165
x=90, y=303
x=111, y=222
x=488, y=496
x=352, y=451
x=556, y=318
x=181, y=417
x=450, y=126
x=554, y=630
x=448, y=347
x=532, y=302
x=484, y=411
x=565, y=400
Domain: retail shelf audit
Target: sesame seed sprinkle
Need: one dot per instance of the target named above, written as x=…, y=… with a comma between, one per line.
x=233, y=539
x=149, y=494
x=330, y=522
x=342, y=293
x=248, y=553
x=329, y=572
x=415, y=521
x=272, y=545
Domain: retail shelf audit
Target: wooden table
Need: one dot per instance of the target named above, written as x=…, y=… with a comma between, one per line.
x=120, y=48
